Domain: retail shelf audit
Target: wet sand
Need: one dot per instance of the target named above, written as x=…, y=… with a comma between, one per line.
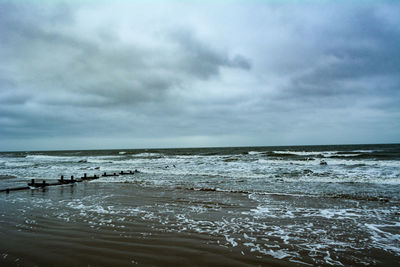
x=124, y=224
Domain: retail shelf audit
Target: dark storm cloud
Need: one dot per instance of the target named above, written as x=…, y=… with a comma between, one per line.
x=201, y=61
x=361, y=47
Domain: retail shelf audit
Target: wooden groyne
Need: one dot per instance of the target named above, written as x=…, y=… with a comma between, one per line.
x=62, y=181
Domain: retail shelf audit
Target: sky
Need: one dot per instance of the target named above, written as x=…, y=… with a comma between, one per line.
x=157, y=74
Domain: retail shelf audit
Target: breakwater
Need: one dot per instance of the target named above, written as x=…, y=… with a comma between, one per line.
x=33, y=184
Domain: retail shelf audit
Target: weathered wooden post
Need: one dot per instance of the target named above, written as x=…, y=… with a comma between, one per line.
x=62, y=179
x=44, y=183
x=84, y=175
x=72, y=178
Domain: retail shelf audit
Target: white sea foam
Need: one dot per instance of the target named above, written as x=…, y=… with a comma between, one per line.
x=385, y=239
x=231, y=241
x=147, y=155
x=48, y=158
x=367, y=151
x=299, y=153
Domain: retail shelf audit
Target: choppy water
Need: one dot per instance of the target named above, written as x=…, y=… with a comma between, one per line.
x=236, y=206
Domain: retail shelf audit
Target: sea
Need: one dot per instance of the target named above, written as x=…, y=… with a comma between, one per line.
x=335, y=205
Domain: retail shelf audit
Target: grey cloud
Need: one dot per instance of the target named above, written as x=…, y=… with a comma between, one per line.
x=359, y=48
x=201, y=60
x=49, y=71
x=118, y=72
x=267, y=72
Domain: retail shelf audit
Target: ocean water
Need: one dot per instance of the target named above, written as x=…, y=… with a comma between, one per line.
x=204, y=206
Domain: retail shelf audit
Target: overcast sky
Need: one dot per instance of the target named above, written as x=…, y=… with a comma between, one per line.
x=145, y=74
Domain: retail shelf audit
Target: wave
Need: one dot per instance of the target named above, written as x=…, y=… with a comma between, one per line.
x=148, y=155
x=296, y=153
x=46, y=157
x=7, y=177
x=347, y=155
x=253, y=152
x=213, y=189
x=339, y=196
x=358, y=197
x=231, y=159
x=380, y=156
x=280, y=154
x=355, y=165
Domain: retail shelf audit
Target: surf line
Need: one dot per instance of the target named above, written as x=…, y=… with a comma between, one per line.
x=34, y=185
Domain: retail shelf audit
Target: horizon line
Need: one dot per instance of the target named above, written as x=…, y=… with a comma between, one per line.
x=200, y=147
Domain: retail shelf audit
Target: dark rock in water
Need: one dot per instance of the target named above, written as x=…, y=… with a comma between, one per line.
x=83, y=161
x=307, y=171
x=97, y=168
x=323, y=162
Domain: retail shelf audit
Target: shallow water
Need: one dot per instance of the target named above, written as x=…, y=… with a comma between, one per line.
x=233, y=206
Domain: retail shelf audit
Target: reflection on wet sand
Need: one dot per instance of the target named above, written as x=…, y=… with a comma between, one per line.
x=121, y=224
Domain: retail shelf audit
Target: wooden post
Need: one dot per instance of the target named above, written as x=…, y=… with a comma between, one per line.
x=62, y=178
x=84, y=175
x=44, y=183
x=72, y=178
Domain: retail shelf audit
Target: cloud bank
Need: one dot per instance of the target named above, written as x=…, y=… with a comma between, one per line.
x=169, y=74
